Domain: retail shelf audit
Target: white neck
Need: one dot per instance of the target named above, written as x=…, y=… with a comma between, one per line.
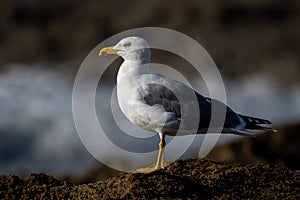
x=132, y=66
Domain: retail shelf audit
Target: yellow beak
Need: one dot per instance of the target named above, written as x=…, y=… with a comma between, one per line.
x=107, y=51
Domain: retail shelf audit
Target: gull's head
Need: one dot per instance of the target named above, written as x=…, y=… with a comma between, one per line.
x=129, y=48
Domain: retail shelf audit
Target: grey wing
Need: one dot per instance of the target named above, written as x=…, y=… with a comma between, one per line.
x=161, y=95
x=232, y=119
x=158, y=94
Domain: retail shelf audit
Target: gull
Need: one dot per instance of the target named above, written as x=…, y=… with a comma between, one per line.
x=150, y=100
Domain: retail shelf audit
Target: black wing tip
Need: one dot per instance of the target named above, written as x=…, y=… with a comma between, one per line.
x=270, y=130
x=267, y=122
x=255, y=120
x=260, y=128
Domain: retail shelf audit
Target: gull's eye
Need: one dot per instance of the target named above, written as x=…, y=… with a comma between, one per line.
x=128, y=44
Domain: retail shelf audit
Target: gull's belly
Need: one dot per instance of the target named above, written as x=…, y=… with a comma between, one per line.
x=134, y=108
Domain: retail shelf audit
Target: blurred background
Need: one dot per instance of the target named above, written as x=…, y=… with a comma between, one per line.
x=255, y=44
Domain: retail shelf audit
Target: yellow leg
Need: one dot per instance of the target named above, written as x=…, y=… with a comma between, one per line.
x=160, y=158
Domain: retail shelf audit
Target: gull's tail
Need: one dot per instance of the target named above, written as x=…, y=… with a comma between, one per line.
x=253, y=123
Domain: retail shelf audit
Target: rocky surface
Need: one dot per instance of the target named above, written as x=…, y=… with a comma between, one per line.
x=188, y=178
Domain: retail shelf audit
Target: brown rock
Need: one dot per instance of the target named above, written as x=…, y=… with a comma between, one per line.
x=183, y=179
